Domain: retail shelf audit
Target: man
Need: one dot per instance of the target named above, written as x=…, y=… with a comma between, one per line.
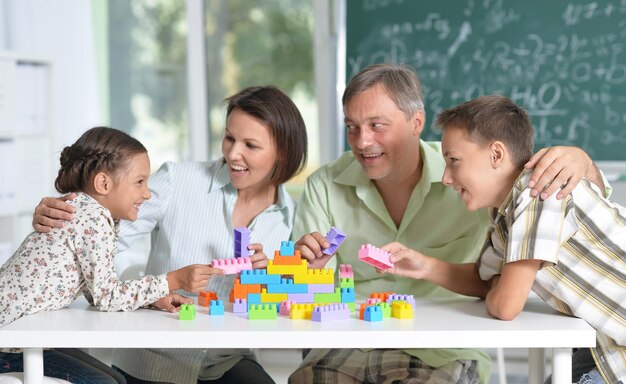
x=389, y=189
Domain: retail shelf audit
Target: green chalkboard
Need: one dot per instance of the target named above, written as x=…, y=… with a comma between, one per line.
x=564, y=61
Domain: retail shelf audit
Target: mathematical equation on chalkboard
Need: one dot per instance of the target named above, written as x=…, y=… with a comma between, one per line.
x=565, y=62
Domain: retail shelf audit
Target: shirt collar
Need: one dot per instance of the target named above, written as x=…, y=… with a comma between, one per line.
x=519, y=186
x=432, y=171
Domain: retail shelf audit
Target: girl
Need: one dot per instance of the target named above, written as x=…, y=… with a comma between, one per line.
x=109, y=170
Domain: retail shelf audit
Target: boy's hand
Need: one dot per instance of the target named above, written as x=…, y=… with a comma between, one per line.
x=558, y=167
x=52, y=212
x=311, y=246
x=406, y=262
x=171, y=302
x=258, y=258
x=192, y=278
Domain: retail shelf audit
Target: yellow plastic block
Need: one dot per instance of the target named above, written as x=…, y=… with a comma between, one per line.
x=273, y=297
x=286, y=269
x=401, y=310
x=315, y=276
x=302, y=311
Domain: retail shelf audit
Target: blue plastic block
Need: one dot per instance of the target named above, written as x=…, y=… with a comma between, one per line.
x=347, y=295
x=286, y=248
x=258, y=276
x=287, y=286
x=216, y=308
x=373, y=313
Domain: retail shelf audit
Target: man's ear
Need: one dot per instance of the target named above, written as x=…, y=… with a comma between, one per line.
x=102, y=183
x=498, y=152
x=418, y=122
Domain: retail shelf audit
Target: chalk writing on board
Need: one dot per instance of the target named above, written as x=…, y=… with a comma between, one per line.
x=565, y=62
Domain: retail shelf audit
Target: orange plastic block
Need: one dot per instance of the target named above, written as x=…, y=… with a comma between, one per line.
x=294, y=259
x=381, y=295
x=315, y=276
x=401, y=310
x=205, y=297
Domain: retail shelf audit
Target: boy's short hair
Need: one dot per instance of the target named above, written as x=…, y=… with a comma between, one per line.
x=493, y=118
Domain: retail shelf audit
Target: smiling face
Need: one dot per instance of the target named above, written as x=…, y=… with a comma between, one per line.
x=129, y=189
x=249, y=150
x=383, y=140
x=479, y=173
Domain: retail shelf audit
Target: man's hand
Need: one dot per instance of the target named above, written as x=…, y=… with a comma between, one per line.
x=311, y=246
x=171, y=302
x=192, y=278
x=52, y=212
x=558, y=167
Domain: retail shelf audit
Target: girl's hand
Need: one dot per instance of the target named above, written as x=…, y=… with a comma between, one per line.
x=259, y=258
x=192, y=278
x=171, y=302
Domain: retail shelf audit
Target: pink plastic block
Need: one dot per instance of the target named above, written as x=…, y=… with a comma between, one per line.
x=331, y=312
x=345, y=271
x=232, y=266
x=240, y=306
x=371, y=301
x=285, y=307
x=375, y=256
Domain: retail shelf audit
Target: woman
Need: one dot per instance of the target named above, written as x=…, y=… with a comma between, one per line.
x=191, y=216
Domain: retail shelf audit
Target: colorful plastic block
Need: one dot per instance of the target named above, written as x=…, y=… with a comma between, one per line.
x=375, y=256
x=272, y=297
x=301, y=297
x=373, y=300
x=232, y=266
x=242, y=240
x=216, y=308
x=285, y=307
x=205, y=297
x=401, y=310
x=331, y=312
x=187, y=312
x=254, y=298
x=335, y=237
x=386, y=308
x=346, y=282
x=380, y=295
x=347, y=295
x=324, y=298
x=345, y=271
x=373, y=313
x=240, y=306
x=315, y=276
x=321, y=288
x=409, y=299
x=302, y=311
x=258, y=276
x=287, y=286
x=286, y=248
x=294, y=259
x=273, y=269
x=262, y=312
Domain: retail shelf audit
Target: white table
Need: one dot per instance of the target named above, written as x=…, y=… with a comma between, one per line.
x=444, y=323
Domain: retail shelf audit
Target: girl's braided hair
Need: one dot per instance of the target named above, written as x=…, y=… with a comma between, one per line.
x=100, y=149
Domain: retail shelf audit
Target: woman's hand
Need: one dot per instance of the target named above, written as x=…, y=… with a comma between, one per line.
x=171, y=302
x=258, y=258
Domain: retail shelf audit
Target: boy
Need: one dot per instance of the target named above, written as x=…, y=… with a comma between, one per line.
x=571, y=252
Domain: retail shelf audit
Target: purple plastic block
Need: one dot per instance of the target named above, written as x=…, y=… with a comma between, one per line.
x=240, y=306
x=335, y=237
x=301, y=297
x=242, y=240
x=375, y=256
x=409, y=299
x=331, y=312
x=321, y=288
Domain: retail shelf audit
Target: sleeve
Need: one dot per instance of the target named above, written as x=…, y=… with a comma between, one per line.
x=312, y=213
x=95, y=247
x=536, y=230
x=152, y=211
x=491, y=258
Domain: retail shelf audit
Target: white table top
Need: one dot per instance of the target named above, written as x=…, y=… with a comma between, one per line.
x=443, y=323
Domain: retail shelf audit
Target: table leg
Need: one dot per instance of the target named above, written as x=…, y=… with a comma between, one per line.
x=536, y=366
x=33, y=366
x=562, y=366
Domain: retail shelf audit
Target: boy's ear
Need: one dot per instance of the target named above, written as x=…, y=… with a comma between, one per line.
x=102, y=183
x=498, y=152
